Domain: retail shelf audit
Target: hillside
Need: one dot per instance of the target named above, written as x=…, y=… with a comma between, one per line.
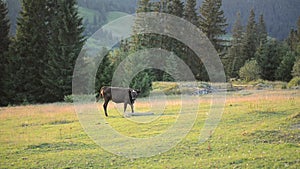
x=280, y=15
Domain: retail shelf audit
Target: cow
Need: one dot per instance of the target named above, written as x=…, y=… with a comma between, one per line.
x=117, y=95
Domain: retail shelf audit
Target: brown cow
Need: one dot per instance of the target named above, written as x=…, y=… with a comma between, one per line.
x=117, y=95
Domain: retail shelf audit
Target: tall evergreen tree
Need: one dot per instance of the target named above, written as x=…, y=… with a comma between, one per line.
x=292, y=40
x=138, y=40
x=63, y=49
x=4, y=45
x=105, y=71
x=30, y=48
x=213, y=22
x=250, y=40
x=171, y=66
x=284, y=71
x=195, y=64
x=176, y=7
x=262, y=33
x=143, y=6
x=268, y=57
x=190, y=13
x=4, y=28
x=234, y=60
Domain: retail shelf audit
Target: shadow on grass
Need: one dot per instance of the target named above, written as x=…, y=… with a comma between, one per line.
x=275, y=137
x=60, y=146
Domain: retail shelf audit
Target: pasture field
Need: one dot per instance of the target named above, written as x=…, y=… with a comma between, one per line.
x=258, y=129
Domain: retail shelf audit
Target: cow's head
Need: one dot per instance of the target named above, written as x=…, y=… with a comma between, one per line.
x=134, y=94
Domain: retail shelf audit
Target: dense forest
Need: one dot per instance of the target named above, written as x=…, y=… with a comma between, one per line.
x=37, y=61
x=280, y=15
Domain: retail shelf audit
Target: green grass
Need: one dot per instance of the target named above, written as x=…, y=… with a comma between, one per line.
x=257, y=130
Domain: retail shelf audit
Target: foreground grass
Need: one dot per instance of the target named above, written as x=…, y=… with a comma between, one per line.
x=257, y=130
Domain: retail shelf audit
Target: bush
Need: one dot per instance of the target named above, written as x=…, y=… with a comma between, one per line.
x=69, y=99
x=142, y=82
x=294, y=82
x=284, y=86
x=250, y=71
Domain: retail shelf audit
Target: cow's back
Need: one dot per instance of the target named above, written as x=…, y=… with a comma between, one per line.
x=116, y=94
x=120, y=95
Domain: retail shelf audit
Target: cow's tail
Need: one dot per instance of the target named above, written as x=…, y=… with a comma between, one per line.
x=99, y=94
x=102, y=92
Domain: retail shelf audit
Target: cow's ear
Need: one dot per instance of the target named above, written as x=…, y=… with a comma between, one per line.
x=138, y=91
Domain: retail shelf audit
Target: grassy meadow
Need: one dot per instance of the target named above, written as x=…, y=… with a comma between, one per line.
x=258, y=129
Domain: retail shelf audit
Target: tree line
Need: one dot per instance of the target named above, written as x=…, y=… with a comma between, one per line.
x=250, y=54
x=37, y=63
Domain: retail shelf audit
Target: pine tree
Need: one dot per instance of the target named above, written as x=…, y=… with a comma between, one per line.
x=268, y=57
x=213, y=23
x=233, y=61
x=143, y=6
x=250, y=40
x=284, y=71
x=292, y=40
x=171, y=67
x=176, y=7
x=190, y=13
x=105, y=71
x=262, y=33
x=4, y=28
x=4, y=46
x=29, y=50
x=63, y=49
x=142, y=82
x=186, y=54
x=139, y=41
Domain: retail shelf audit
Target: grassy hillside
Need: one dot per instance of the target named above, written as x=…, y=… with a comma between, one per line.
x=88, y=14
x=259, y=129
x=115, y=15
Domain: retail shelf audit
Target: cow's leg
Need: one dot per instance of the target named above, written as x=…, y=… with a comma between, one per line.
x=132, y=108
x=125, y=106
x=105, y=107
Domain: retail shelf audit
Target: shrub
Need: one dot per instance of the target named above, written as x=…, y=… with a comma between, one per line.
x=250, y=71
x=69, y=99
x=142, y=82
x=294, y=82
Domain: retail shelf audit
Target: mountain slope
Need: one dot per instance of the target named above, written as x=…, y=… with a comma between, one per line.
x=280, y=15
